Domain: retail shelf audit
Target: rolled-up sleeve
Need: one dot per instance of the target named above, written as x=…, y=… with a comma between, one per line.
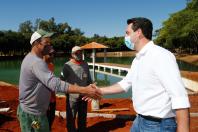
x=41, y=71
x=126, y=82
x=169, y=75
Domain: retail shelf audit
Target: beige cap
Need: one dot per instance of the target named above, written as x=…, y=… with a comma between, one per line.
x=76, y=48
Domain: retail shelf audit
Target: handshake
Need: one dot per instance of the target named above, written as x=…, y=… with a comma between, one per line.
x=91, y=92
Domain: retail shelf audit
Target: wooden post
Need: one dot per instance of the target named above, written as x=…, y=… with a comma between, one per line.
x=83, y=55
x=105, y=55
x=93, y=55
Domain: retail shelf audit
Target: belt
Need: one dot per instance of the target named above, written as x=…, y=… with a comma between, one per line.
x=151, y=118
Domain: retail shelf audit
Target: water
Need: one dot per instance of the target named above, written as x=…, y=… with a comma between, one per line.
x=106, y=80
x=118, y=60
x=10, y=70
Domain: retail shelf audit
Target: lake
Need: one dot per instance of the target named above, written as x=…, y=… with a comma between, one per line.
x=10, y=70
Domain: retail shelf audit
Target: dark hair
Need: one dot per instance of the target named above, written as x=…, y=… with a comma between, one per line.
x=144, y=24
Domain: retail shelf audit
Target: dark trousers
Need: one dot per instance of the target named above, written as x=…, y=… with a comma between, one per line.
x=73, y=108
x=51, y=113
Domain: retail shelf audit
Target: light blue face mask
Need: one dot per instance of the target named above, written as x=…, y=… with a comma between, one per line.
x=128, y=43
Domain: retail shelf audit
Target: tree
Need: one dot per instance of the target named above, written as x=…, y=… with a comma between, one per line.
x=26, y=27
x=180, y=31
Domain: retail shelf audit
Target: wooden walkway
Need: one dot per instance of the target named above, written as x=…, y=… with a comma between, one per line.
x=102, y=67
x=191, y=85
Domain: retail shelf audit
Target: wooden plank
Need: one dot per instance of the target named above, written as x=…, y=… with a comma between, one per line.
x=4, y=109
x=111, y=110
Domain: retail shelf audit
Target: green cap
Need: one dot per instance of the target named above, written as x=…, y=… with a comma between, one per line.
x=40, y=34
x=44, y=34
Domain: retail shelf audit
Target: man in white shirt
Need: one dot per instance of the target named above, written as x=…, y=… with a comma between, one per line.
x=159, y=97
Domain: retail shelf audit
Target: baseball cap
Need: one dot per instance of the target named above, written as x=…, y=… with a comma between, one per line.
x=40, y=34
x=76, y=48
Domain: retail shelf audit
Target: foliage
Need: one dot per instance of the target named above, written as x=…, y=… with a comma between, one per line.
x=180, y=31
x=17, y=43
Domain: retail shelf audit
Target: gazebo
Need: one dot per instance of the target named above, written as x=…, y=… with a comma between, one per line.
x=93, y=46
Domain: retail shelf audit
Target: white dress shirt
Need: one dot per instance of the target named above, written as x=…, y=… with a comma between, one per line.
x=157, y=87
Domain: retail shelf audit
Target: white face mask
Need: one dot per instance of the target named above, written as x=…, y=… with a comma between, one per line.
x=128, y=43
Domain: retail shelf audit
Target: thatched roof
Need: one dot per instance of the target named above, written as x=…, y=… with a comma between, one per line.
x=94, y=45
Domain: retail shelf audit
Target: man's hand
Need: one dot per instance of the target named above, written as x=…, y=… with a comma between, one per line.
x=92, y=92
x=97, y=90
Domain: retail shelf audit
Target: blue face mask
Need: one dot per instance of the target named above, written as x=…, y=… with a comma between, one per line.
x=128, y=43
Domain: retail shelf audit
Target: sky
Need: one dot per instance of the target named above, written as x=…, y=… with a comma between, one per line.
x=102, y=17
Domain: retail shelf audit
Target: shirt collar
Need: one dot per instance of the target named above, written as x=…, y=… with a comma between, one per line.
x=144, y=49
x=76, y=62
